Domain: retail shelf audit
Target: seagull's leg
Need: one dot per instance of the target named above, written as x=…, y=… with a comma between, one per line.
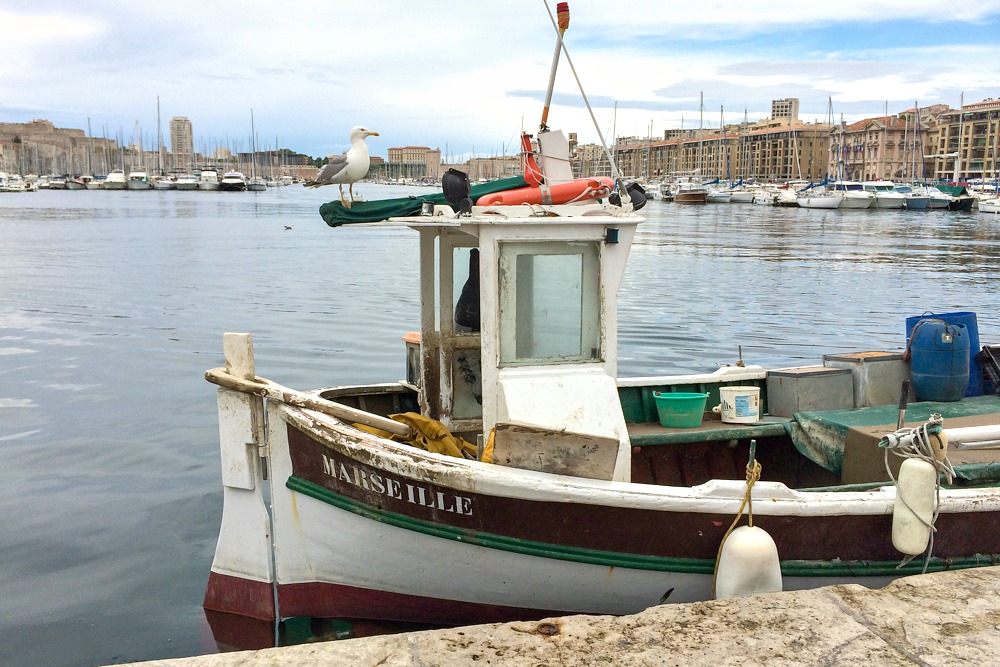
x=350, y=188
x=343, y=202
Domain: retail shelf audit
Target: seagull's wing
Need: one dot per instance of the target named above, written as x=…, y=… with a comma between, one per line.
x=330, y=172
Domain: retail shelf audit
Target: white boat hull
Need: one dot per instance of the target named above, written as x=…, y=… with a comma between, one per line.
x=366, y=528
x=856, y=202
x=741, y=197
x=884, y=202
x=821, y=201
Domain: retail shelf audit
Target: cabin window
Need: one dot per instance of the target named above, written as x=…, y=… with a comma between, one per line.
x=550, y=304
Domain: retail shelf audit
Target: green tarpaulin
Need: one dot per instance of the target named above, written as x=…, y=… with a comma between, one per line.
x=821, y=436
x=336, y=214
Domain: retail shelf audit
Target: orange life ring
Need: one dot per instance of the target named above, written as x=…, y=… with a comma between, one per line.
x=532, y=174
x=582, y=189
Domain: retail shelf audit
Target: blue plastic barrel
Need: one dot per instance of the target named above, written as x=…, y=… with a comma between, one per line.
x=968, y=318
x=939, y=360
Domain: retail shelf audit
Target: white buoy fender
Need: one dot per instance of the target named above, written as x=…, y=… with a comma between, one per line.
x=911, y=522
x=748, y=564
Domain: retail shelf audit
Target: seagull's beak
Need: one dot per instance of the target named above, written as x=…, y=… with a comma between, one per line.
x=371, y=134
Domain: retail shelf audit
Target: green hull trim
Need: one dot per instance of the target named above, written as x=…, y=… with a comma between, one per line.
x=789, y=568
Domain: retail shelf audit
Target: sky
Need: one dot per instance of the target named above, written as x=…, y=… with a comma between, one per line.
x=468, y=77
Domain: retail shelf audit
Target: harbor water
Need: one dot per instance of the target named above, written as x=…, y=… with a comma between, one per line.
x=113, y=304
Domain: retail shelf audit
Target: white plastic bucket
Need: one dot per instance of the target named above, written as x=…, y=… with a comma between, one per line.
x=740, y=405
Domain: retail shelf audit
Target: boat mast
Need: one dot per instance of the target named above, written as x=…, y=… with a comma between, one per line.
x=90, y=151
x=958, y=149
x=159, y=139
x=253, y=147
x=721, y=125
x=701, y=130
x=881, y=150
x=918, y=145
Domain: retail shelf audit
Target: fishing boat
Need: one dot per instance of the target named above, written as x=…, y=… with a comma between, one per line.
x=520, y=477
x=512, y=474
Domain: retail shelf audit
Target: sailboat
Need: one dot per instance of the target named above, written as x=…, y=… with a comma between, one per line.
x=855, y=195
x=718, y=193
x=256, y=183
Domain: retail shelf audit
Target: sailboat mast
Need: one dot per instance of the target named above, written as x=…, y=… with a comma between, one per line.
x=159, y=139
x=701, y=129
x=721, y=121
x=958, y=149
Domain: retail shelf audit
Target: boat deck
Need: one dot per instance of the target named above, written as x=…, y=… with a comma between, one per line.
x=712, y=429
x=811, y=449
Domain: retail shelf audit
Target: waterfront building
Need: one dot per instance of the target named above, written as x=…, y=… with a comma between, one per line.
x=413, y=162
x=182, y=143
x=886, y=148
x=775, y=150
x=965, y=144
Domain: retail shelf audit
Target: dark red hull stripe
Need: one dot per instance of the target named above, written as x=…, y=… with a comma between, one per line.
x=638, y=533
x=338, y=601
x=240, y=596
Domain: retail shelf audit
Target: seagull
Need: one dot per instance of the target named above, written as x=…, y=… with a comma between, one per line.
x=348, y=168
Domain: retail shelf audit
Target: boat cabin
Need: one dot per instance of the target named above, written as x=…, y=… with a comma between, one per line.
x=518, y=320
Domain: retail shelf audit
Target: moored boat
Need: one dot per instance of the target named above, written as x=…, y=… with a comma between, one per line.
x=686, y=192
x=855, y=195
x=208, y=179
x=13, y=183
x=960, y=197
x=820, y=199
x=990, y=205
x=885, y=194
x=913, y=199
x=186, y=182
x=233, y=181
x=116, y=180
x=717, y=195
x=164, y=182
x=138, y=179
x=562, y=516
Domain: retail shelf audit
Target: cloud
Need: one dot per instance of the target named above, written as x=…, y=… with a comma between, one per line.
x=469, y=75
